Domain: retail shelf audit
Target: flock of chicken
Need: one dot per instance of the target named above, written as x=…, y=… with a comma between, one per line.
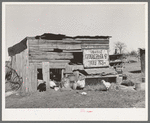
x=73, y=82
x=67, y=82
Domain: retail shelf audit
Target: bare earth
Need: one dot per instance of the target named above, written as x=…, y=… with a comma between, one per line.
x=74, y=98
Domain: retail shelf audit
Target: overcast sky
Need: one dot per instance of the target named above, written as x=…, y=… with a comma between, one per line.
x=124, y=22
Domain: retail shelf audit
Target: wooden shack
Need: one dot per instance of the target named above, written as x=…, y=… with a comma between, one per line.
x=41, y=56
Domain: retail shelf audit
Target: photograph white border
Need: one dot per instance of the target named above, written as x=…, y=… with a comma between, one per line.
x=101, y=114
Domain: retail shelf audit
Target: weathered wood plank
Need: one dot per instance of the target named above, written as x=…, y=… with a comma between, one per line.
x=67, y=41
x=35, y=77
x=21, y=64
x=60, y=66
x=27, y=70
x=53, y=65
x=95, y=42
x=73, y=67
x=14, y=62
x=51, y=46
x=30, y=78
x=39, y=51
x=62, y=73
x=43, y=41
x=97, y=46
x=17, y=64
x=50, y=61
x=51, y=56
x=23, y=89
x=96, y=76
x=45, y=71
x=71, y=51
x=51, y=53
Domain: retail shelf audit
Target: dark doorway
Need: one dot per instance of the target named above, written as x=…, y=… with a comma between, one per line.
x=39, y=74
x=78, y=58
x=55, y=74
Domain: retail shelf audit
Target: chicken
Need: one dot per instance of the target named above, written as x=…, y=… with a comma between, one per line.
x=52, y=84
x=42, y=87
x=81, y=83
x=107, y=84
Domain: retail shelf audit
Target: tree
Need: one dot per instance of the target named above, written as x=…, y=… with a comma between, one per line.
x=134, y=53
x=120, y=46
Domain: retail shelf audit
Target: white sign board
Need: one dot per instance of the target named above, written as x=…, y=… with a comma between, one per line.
x=95, y=58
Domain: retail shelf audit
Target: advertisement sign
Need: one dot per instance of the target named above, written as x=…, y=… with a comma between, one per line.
x=95, y=57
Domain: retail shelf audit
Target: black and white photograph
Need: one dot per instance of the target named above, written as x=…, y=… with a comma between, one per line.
x=75, y=61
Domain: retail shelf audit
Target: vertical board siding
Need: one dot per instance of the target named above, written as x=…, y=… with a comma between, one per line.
x=24, y=72
x=30, y=78
x=45, y=71
x=62, y=73
x=20, y=63
x=33, y=77
x=14, y=62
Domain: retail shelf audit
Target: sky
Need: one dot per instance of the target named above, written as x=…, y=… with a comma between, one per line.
x=124, y=22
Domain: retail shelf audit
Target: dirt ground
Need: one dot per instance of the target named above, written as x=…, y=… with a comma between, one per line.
x=93, y=99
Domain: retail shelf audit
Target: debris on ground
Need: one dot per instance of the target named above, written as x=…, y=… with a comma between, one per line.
x=66, y=82
x=124, y=77
x=126, y=88
x=139, y=86
x=84, y=93
x=117, y=87
x=127, y=83
x=100, y=87
x=56, y=88
x=113, y=87
x=65, y=89
x=9, y=93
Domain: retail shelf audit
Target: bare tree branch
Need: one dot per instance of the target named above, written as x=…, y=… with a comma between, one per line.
x=120, y=46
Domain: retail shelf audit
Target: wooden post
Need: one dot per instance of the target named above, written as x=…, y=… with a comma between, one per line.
x=23, y=88
x=62, y=73
x=45, y=71
x=35, y=77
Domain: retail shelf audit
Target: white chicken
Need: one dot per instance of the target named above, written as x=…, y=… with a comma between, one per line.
x=81, y=83
x=107, y=84
x=52, y=84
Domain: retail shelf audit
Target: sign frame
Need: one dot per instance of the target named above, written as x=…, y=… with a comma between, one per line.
x=95, y=58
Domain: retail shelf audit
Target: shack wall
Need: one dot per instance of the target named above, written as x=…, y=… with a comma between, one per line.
x=61, y=52
x=28, y=72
